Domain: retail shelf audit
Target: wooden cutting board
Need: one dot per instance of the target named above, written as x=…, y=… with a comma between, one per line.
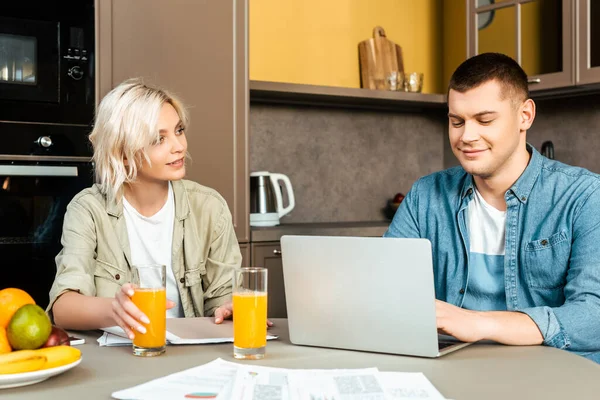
x=378, y=57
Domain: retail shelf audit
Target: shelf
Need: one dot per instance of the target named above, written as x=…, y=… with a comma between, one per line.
x=328, y=96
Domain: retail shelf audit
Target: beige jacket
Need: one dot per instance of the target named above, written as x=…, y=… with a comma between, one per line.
x=95, y=259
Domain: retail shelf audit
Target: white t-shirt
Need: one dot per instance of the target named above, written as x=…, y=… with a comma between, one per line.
x=487, y=227
x=151, y=240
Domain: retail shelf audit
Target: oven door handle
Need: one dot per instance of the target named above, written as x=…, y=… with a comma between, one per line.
x=37, y=170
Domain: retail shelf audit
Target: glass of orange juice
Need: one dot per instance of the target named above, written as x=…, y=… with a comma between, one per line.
x=150, y=296
x=249, y=313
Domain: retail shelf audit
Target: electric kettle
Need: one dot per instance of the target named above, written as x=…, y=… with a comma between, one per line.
x=266, y=200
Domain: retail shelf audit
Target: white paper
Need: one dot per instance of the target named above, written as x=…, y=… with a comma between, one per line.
x=409, y=386
x=342, y=384
x=208, y=380
x=225, y=380
x=115, y=336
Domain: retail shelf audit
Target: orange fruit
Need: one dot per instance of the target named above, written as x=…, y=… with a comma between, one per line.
x=11, y=299
x=4, y=345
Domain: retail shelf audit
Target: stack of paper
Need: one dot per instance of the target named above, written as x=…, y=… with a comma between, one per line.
x=224, y=380
x=180, y=331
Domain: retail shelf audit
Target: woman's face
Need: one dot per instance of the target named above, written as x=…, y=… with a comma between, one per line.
x=167, y=155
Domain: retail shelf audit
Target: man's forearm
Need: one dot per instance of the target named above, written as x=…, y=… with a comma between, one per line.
x=512, y=328
x=73, y=310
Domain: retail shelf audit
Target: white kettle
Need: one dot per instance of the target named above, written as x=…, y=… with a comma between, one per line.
x=266, y=200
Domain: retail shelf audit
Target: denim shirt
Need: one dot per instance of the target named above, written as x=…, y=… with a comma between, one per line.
x=552, y=248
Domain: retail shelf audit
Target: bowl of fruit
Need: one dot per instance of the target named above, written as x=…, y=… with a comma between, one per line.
x=392, y=205
x=31, y=348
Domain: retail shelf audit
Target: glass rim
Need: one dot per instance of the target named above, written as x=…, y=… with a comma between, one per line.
x=253, y=269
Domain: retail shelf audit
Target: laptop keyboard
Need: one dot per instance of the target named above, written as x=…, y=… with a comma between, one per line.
x=442, y=345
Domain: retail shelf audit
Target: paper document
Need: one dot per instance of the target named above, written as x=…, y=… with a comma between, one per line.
x=409, y=386
x=209, y=381
x=224, y=380
x=180, y=331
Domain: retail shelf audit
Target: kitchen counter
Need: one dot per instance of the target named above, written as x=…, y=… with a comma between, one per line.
x=274, y=233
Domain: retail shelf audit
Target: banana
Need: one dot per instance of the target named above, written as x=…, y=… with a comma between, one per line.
x=59, y=355
x=21, y=361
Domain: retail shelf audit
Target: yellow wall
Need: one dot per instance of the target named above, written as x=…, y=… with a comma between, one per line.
x=316, y=41
x=454, y=38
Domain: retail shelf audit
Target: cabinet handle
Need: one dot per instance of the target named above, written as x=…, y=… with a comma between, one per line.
x=277, y=252
x=534, y=80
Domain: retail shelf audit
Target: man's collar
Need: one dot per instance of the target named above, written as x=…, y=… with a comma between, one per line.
x=523, y=186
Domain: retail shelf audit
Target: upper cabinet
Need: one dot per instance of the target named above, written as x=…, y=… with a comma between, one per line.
x=198, y=51
x=538, y=34
x=588, y=15
x=557, y=42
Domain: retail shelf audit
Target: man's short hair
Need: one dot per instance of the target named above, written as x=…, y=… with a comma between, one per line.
x=486, y=67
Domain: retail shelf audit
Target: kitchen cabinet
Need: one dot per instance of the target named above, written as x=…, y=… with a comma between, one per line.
x=557, y=42
x=588, y=16
x=197, y=50
x=539, y=34
x=268, y=255
x=245, y=250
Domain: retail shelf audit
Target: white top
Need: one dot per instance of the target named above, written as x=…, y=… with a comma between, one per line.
x=151, y=242
x=487, y=226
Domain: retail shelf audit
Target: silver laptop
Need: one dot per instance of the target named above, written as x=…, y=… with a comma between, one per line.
x=359, y=293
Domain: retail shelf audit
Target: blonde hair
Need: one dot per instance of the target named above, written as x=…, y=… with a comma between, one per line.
x=126, y=125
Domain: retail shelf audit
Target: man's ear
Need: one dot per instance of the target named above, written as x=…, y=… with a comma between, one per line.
x=526, y=114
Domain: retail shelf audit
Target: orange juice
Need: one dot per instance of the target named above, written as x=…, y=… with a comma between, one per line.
x=153, y=303
x=250, y=320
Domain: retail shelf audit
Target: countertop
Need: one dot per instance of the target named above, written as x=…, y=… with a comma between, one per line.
x=480, y=371
x=274, y=233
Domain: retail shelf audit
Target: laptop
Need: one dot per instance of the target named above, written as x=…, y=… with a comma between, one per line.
x=362, y=293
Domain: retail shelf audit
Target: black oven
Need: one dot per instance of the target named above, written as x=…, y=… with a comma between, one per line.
x=41, y=168
x=47, y=61
x=33, y=200
x=47, y=102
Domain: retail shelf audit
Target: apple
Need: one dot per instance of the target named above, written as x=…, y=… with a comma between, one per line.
x=398, y=198
x=58, y=337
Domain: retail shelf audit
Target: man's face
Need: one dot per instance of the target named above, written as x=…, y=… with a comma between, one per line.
x=487, y=129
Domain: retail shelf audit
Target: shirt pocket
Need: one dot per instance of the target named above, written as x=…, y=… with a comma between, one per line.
x=546, y=261
x=108, y=279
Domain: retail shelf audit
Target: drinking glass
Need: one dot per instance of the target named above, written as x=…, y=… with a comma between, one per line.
x=413, y=82
x=249, y=313
x=150, y=296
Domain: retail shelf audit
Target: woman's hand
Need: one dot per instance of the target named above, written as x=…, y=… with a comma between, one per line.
x=226, y=311
x=127, y=315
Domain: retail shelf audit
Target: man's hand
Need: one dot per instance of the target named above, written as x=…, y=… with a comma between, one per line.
x=506, y=327
x=226, y=311
x=465, y=325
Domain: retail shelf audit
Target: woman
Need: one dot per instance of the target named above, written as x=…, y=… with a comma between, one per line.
x=141, y=211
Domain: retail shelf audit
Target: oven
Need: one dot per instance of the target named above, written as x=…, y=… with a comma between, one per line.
x=33, y=200
x=47, y=61
x=41, y=168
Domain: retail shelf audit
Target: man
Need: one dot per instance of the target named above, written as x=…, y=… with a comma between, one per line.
x=515, y=236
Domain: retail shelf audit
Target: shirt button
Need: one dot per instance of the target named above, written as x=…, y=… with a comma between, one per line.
x=117, y=276
x=182, y=280
x=544, y=242
x=461, y=291
x=524, y=198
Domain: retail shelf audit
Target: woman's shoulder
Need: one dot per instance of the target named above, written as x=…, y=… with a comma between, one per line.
x=200, y=195
x=89, y=196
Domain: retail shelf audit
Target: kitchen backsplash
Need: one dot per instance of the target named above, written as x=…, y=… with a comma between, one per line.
x=573, y=126
x=344, y=164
